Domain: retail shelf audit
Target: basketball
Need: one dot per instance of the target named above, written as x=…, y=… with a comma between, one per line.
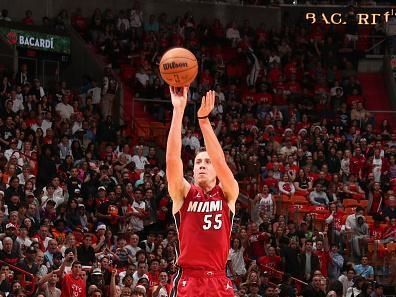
x=178, y=67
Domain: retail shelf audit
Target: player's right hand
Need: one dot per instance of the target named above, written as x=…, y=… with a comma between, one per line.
x=179, y=97
x=207, y=104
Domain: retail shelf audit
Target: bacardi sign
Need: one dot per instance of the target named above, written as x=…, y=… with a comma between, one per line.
x=36, y=40
x=337, y=15
x=338, y=18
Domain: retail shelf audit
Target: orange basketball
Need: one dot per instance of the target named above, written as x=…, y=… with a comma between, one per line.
x=178, y=67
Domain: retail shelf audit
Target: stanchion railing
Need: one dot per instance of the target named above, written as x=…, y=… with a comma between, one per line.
x=28, y=285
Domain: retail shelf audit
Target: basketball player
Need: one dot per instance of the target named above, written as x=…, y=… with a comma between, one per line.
x=203, y=210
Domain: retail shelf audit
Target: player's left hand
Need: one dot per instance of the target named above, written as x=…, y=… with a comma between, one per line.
x=207, y=104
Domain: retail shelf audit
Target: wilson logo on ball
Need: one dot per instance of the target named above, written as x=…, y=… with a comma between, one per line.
x=174, y=65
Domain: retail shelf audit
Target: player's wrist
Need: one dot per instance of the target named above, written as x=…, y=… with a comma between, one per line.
x=203, y=117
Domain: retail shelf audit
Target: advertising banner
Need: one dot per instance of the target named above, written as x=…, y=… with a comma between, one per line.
x=337, y=15
x=36, y=40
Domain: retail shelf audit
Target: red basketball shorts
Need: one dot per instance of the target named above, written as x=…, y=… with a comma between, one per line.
x=201, y=283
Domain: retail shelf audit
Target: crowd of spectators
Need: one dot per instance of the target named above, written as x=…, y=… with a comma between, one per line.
x=84, y=208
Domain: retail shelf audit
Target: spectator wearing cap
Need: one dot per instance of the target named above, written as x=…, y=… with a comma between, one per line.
x=99, y=239
x=57, y=259
x=28, y=262
x=101, y=196
x=12, y=232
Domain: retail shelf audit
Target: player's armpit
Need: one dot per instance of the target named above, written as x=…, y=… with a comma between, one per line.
x=178, y=187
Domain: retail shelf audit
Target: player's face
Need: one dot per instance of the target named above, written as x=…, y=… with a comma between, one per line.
x=203, y=169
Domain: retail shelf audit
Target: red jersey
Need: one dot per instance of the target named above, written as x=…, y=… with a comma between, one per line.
x=356, y=164
x=338, y=220
x=72, y=287
x=204, y=226
x=377, y=232
x=324, y=260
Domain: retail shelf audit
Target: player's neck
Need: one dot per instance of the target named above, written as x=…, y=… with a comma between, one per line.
x=207, y=187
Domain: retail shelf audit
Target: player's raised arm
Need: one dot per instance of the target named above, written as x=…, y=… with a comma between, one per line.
x=177, y=185
x=215, y=151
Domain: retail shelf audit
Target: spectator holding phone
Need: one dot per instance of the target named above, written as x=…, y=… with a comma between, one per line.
x=72, y=283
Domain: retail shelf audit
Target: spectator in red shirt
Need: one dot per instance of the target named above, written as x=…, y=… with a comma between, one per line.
x=270, y=260
x=390, y=231
x=357, y=162
x=28, y=20
x=72, y=283
x=154, y=273
x=377, y=231
x=322, y=251
x=257, y=241
x=375, y=199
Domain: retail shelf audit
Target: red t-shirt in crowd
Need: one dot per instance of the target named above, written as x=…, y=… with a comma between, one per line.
x=257, y=241
x=268, y=261
x=324, y=259
x=154, y=278
x=377, y=232
x=72, y=287
x=265, y=98
x=356, y=164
